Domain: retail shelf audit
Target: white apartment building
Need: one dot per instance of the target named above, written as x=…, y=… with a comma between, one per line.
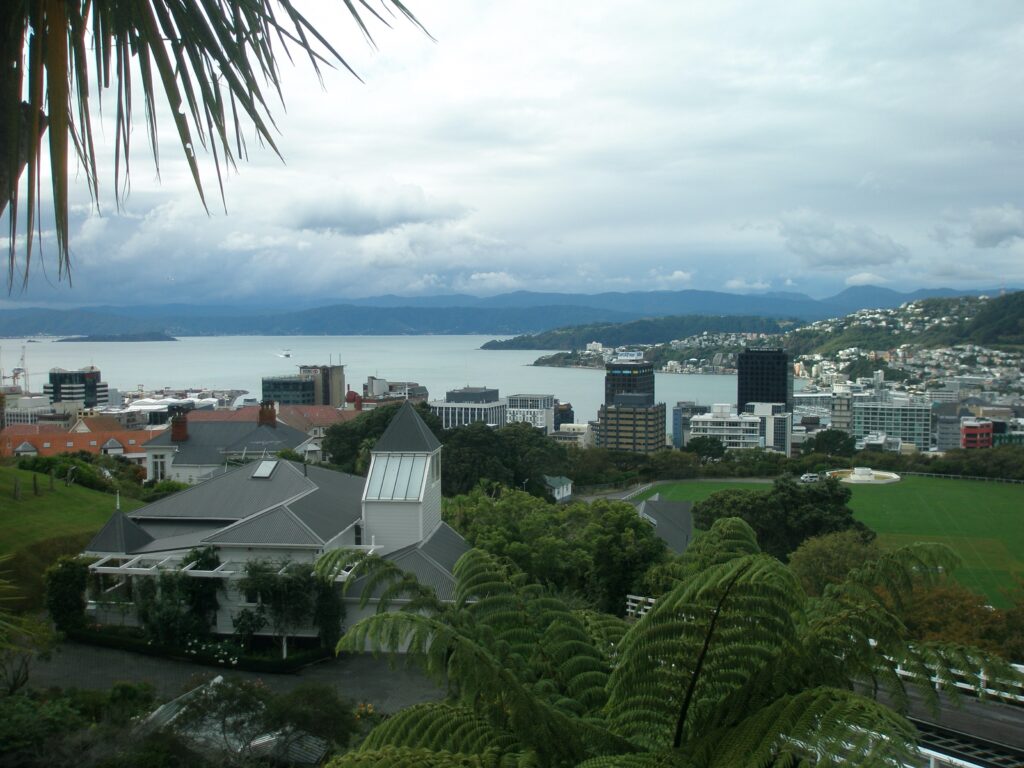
x=733, y=430
x=763, y=425
x=538, y=410
x=901, y=418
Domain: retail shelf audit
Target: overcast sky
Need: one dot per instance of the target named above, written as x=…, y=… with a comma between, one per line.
x=593, y=146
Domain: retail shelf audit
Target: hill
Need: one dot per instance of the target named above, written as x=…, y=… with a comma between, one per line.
x=37, y=529
x=1000, y=323
x=659, y=330
x=519, y=312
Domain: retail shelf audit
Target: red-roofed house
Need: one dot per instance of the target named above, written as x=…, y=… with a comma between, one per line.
x=32, y=440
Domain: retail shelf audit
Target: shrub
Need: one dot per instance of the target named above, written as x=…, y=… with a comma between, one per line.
x=65, y=593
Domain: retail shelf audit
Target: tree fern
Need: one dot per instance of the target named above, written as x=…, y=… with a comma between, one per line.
x=708, y=637
x=825, y=726
x=406, y=757
x=481, y=679
x=440, y=727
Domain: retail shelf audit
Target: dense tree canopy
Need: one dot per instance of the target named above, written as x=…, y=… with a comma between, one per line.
x=831, y=442
x=599, y=551
x=786, y=515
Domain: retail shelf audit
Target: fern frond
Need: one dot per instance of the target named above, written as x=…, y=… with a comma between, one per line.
x=823, y=726
x=440, y=727
x=406, y=757
x=897, y=571
x=668, y=758
x=705, y=639
x=606, y=631
x=483, y=680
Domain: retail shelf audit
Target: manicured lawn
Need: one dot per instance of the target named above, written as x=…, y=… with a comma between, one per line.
x=64, y=511
x=982, y=522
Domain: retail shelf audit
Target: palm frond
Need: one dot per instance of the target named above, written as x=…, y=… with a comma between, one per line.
x=214, y=62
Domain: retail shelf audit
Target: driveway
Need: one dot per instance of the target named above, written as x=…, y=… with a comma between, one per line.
x=359, y=678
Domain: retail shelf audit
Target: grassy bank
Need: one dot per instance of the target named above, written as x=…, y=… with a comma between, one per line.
x=36, y=529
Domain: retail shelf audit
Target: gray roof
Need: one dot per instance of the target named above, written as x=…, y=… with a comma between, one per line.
x=335, y=507
x=671, y=519
x=277, y=526
x=209, y=441
x=444, y=546
x=232, y=495
x=557, y=481
x=120, y=534
x=407, y=433
x=295, y=505
x=431, y=561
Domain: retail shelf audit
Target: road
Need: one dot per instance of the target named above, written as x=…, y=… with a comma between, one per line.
x=359, y=678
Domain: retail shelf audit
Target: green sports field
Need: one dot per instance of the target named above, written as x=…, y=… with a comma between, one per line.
x=982, y=522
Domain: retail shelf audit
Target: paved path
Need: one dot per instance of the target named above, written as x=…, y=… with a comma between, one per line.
x=359, y=678
x=618, y=494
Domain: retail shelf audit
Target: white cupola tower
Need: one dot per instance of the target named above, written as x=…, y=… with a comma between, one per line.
x=402, y=496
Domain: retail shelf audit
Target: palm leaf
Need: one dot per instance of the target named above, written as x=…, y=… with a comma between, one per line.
x=212, y=60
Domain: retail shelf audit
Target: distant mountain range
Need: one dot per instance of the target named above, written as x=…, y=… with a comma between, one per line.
x=509, y=313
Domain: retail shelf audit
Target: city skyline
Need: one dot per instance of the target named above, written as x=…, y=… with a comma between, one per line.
x=737, y=147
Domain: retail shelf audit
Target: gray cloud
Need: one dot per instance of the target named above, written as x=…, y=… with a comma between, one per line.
x=996, y=226
x=616, y=150
x=350, y=213
x=820, y=242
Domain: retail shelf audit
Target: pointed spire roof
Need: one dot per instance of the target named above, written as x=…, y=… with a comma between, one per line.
x=407, y=433
x=120, y=534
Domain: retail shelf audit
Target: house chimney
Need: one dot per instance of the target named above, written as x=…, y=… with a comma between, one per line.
x=268, y=414
x=179, y=428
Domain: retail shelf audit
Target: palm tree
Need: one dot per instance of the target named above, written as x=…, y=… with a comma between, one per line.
x=734, y=666
x=216, y=62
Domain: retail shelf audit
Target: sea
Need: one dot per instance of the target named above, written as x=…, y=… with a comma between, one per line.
x=439, y=363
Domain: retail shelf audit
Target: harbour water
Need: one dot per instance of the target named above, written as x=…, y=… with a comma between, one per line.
x=438, y=362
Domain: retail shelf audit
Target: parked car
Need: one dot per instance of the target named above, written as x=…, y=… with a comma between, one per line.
x=809, y=477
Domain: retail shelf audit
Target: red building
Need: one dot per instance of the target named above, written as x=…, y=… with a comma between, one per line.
x=975, y=433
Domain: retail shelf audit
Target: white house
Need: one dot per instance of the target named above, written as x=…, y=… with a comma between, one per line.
x=192, y=452
x=282, y=511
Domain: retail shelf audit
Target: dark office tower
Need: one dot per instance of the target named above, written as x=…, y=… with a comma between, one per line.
x=764, y=376
x=629, y=419
x=629, y=377
x=83, y=384
x=563, y=414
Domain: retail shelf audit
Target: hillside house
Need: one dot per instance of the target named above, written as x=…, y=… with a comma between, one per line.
x=281, y=511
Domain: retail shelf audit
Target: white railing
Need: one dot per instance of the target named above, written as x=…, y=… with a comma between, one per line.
x=1011, y=692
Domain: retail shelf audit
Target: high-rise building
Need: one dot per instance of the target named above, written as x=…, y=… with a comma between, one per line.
x=629, y=419
x=564, y=414
x=764, y=375
x=630, y=377
x=682, y=412
x=328, y=383
x=314, y=385
x=83, y=384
